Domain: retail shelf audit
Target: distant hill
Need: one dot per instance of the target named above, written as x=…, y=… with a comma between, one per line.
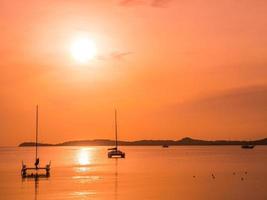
x=184, y=141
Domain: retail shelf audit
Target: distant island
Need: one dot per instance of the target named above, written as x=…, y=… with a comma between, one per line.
x=182, y=142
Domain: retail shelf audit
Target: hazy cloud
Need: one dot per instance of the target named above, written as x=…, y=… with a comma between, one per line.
x=232, y=113
x=160, y=3
x=116, y=55
x=153, y=3
x=120, y=55
x=131, y=2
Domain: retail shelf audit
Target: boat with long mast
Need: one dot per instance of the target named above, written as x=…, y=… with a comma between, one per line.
x=34, y=171
x=115, y=152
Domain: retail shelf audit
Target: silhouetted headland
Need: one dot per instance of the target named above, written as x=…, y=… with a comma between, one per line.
x=182, y=142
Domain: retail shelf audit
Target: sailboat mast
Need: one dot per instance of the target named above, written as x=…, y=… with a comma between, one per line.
x=116, y=129
x=36, y=133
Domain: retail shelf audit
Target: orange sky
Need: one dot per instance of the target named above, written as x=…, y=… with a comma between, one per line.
x=172, y=68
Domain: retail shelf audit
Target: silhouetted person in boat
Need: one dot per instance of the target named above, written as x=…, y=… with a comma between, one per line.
x=37, y=163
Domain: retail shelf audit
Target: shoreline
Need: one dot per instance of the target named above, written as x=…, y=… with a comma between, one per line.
x=183, y=142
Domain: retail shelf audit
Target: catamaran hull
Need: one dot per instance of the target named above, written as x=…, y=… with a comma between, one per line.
x=116, y=154
x=35, y=172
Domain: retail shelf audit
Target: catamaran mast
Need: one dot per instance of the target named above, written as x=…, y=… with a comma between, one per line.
x=116, y=129
x=36, y=134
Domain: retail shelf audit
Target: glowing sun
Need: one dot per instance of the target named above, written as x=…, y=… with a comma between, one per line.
x=83, y=49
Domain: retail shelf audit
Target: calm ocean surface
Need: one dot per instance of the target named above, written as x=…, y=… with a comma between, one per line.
x=146, y=173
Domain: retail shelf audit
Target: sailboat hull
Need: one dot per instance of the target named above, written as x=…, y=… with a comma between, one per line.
x=116, y=154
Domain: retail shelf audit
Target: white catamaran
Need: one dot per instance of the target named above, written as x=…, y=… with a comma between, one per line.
x=115, y=152
x=28, y=172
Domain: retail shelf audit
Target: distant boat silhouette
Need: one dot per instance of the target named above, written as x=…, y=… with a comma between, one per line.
x=25, y=169
x=115, y=152
x=247, y=146
x=165, y=146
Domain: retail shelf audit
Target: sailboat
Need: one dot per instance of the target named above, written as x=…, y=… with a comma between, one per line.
x=115, y=152
x=28, y=172
x=165, y=146
x=247, y=146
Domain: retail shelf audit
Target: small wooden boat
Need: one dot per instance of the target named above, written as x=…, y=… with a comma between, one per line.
x=37, y=171
x=115, y=152
x=247, y=146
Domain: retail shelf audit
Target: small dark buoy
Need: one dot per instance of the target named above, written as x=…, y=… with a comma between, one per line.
x=246, y=172
x=233, y=173
x=242, y=178
x=213, y=176
x=194, y=176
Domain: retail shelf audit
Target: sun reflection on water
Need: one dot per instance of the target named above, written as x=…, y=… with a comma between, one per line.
x=84, y=194
x=86, y=179
x=83, y=159
x=84, y=156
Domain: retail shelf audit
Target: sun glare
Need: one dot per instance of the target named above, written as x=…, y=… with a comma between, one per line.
x=83, y=49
